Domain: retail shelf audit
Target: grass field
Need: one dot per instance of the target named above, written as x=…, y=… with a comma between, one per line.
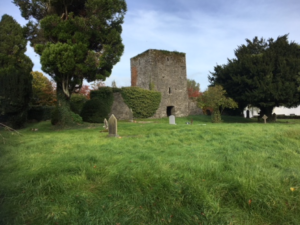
x=237, y=172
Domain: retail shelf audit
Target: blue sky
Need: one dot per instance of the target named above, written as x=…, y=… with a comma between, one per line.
x=208, y=31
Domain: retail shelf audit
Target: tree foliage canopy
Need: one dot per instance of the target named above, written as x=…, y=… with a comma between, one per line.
x=264, y=74
x=42, y=90
x=76, y=39
x=15, y=68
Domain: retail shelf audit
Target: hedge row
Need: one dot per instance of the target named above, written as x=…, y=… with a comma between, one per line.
x=98, y=108
x=40, y=113
x=77, y=102
x=143, y=103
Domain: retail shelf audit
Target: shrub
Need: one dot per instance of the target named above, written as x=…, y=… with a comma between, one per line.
x=76, y=103
x=61, y=115
x=105, y=94
x=64, y=116
x=98, y=108
x=143, y=103
x=40, y=113
x=17, y=120
x=94, y=111
x=76, y=118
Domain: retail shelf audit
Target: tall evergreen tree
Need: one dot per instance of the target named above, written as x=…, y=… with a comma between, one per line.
x=15, y=68
x=77, y=39
x=264, y=74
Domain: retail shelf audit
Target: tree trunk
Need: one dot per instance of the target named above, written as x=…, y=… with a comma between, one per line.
x=62, y=114
x=216, y=116
x=268, y=112
x=62, y=98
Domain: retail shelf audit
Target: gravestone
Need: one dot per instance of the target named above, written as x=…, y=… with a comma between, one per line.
x=265, y=118
x=105, y=124
x=112, y=126
x=131, y=115
x=172, y=120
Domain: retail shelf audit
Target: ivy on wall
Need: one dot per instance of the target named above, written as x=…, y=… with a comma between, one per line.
x=143, y=103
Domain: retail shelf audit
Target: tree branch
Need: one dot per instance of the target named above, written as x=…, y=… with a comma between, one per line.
x=9, y=128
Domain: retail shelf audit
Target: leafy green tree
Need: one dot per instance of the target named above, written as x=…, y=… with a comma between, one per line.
x=42, y=90
x=77, y=39
x=264, y=74
x=215, y=98
x=15, y=68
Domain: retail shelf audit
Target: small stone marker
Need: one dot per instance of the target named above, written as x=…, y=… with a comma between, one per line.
x=172, y=120
x=131, y=116
x=105, y=124
x=265, y=118
x=112, y=126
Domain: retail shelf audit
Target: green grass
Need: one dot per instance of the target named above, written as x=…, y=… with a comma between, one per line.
x=155, y=174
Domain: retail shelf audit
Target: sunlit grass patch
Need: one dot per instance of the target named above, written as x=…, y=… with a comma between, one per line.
x=156, y=173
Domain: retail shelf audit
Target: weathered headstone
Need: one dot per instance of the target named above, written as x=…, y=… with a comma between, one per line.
x=112, y=126
x=172, y=120
x=105, y=124
x=265, y=118
x=131, y=115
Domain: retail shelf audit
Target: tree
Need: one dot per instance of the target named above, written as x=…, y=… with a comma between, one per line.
x=193, y=88
x=15, y=68
x=77, y=39
x=264, y=74
x=42, y=90
x=215, y=98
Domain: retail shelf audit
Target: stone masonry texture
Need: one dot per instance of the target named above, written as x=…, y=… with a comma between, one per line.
x=165, y=72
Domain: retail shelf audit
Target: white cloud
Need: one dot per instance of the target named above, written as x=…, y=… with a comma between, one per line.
x=207, y=31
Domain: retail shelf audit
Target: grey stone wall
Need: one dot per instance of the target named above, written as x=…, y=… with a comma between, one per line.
x=165, y=72
x=193, y=108
x=120, y=109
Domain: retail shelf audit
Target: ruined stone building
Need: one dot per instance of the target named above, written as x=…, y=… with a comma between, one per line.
x=165, y=72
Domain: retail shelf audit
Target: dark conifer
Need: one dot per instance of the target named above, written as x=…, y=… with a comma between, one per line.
x=264, y=74
x=15, y=77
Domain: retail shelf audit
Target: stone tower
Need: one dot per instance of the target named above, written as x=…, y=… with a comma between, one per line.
x=165, y=72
